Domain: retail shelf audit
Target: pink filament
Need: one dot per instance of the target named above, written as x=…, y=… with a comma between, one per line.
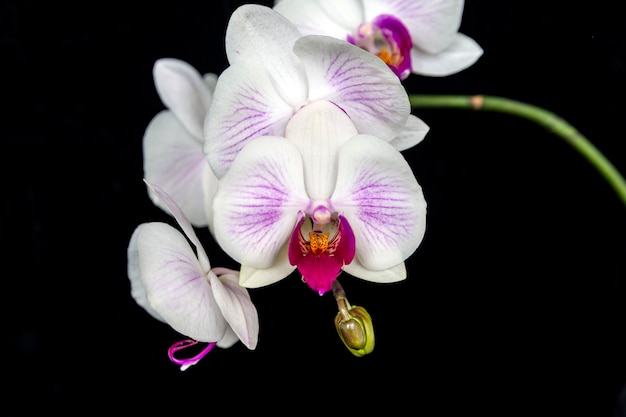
x=187, y=362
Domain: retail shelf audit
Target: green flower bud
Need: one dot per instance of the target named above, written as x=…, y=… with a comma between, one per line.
x=355, y=329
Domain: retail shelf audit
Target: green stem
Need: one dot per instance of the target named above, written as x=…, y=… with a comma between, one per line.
x=543, y=117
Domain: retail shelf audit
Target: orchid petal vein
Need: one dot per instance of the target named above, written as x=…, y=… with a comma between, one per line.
x=378, y=192
x=257, y=202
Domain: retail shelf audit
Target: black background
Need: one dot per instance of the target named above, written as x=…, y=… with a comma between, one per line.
x=514, y=303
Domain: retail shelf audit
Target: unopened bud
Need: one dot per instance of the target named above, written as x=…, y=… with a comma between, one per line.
x=355, y=329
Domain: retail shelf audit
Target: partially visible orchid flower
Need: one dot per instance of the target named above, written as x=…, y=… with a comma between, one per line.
x=411, y=36
x=324, y=199
x=176, y=284
x=275, y=72
x=173, y=156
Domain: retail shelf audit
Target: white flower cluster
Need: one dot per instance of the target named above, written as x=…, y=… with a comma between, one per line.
x=291, y=157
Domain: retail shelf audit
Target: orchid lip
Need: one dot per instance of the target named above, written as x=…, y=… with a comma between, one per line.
x=321, y=257
x=387, y=38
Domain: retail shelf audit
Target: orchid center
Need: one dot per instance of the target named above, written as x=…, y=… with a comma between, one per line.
x=318, y=242
x=387, y=38
x=320, y=251
x=321, y=215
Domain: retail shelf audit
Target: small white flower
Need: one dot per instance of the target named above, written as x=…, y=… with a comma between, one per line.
x=173, y=156
x=176, y=284
x=411, y=36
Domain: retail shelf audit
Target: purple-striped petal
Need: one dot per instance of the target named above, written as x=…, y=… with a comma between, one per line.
x=257, y=201
x=378, y=193
x=173, y=159
x=174, y=283
x=359, y=83
x=246, y=105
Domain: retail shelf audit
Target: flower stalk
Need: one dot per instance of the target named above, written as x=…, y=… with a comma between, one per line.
x=543, y=117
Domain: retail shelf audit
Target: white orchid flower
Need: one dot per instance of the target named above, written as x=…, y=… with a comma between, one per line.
x=418, y=36
x=176, y=285
x=173, y=156
x=324, y=199
x=274, y=72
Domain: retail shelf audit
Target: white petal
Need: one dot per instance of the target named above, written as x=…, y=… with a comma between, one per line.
x=246, y=105
x=174, y=160
x=431, y=23
x=413, y=133
x=281, y=268
x=176, y=212
x=257, y=201
x=318, y=130
x=183, y=91
x=209, y=188
x=176, y=286
x=237, y=308
x=229, y=339
x=394, y=274
x=258, y=34
x=210, y=80
x=137, y=289
x=462, y=53
x=255, y=31
x=360, y=83
x=381, y=199
x=313, y=17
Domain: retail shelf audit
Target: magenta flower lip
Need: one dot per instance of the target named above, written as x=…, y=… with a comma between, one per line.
x=387, y=38
x=321, y=258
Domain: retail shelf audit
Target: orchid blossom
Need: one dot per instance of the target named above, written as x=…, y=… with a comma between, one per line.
x=274, y=72
x=324, y=199
x=177, y=285
x=173, y=141
x=411, y=36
